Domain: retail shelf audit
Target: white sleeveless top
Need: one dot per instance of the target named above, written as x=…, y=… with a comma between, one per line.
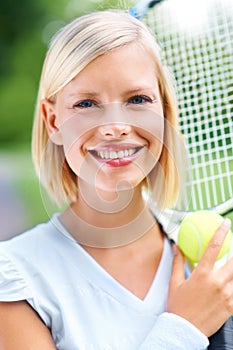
x=86, y=308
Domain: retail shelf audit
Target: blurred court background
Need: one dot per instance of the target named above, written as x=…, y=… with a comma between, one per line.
x=25, y=31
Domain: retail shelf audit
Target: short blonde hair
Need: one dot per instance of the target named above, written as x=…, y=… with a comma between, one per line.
x=71, y=50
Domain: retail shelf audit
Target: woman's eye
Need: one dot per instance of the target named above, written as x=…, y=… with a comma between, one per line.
x=84, y=104
x=139, y=100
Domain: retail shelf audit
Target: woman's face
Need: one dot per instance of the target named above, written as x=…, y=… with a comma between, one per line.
x=109, y=119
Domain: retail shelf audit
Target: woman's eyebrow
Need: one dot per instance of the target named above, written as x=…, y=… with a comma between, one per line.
x=142, y=88
x=130, y=91
x=150, y=89
x=85, y=93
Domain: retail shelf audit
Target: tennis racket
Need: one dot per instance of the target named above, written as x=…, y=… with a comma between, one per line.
x=197, y=44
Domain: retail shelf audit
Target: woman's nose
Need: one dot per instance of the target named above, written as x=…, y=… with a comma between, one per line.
x=115, y=122
x=114, y=130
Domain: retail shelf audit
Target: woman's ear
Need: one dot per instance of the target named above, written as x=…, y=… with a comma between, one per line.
x=49, y=116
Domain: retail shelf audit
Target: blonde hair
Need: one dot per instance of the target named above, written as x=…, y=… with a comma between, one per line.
x=74, y=46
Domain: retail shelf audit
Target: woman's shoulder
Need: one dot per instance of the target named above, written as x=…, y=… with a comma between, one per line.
x=28, y=257
x=32, y=248
x=42, y=232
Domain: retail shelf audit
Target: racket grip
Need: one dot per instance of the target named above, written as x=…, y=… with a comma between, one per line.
x=223, y=338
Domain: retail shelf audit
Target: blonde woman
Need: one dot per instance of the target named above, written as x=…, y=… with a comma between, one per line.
x=102, y=274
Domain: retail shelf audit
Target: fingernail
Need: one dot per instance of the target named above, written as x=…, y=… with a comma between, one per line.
x=226, y=222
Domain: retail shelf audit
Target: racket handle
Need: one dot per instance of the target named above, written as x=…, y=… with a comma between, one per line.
x=223, y=338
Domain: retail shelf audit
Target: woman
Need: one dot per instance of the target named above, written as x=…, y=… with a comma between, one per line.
x=103, y=274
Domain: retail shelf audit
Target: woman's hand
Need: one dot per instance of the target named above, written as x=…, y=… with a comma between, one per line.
x=206, y=298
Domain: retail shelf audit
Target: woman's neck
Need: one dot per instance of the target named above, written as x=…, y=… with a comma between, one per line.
x=107, y=220
x=108, y=209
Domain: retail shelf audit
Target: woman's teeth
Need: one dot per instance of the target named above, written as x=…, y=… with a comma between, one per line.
x=114, y=154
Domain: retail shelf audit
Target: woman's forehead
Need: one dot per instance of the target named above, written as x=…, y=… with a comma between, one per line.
x=130, y=66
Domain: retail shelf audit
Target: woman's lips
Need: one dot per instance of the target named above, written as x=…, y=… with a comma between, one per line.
x=116, y=157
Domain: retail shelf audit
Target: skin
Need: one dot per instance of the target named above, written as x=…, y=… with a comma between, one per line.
x=208, y=291
x=21, y=328
x=101, y=128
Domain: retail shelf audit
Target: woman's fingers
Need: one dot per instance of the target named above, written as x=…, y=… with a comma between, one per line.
x=207, y=292
x=212, y=251
x=177, y=276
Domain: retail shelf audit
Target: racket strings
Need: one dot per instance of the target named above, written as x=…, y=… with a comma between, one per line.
x=200, y=56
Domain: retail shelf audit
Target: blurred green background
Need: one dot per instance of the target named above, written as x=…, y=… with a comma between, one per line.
x=25, y=31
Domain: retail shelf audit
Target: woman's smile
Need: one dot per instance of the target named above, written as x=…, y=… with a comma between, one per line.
x=116, y=155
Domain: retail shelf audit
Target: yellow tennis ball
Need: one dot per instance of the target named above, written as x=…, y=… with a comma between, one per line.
x=195, y=232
